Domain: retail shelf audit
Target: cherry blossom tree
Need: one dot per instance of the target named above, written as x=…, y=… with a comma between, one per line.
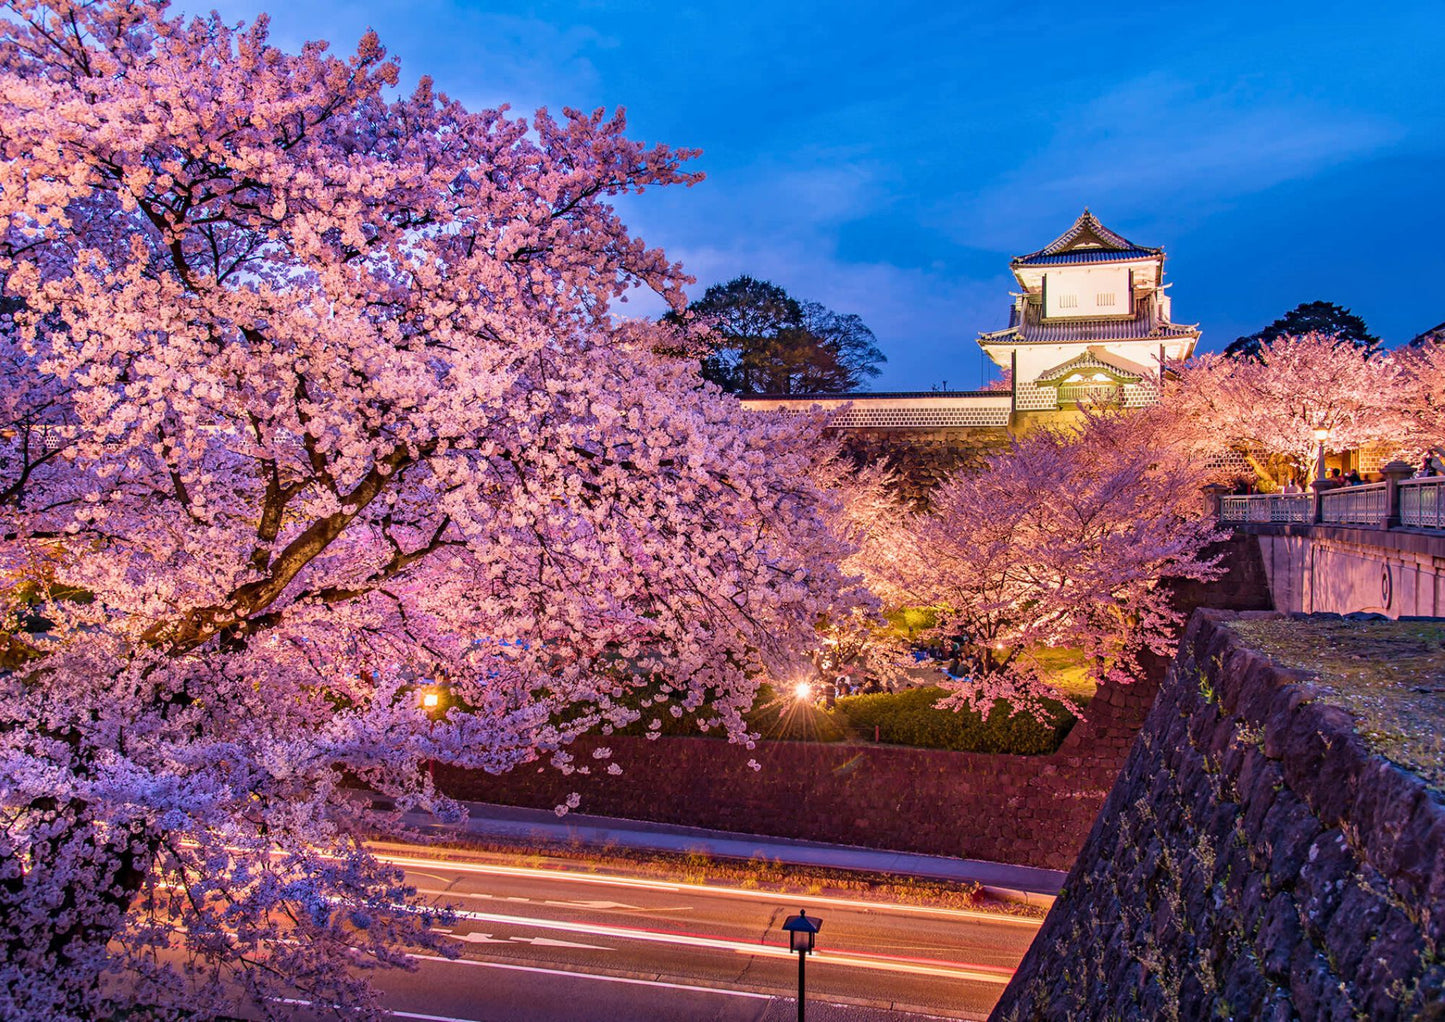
x=869, y=514
x=1422, y=369
x=1064, y=540
x=314, y=397
x=1270, y=406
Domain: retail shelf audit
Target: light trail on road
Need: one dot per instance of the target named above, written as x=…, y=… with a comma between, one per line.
x=921, y=967
x=413, y=863
x=562, y=945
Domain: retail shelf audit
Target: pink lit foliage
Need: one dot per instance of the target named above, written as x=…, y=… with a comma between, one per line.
x=1271, y=407
x=1422, y=367
x=868, y=514
x=1065, y=540
x=342, y=410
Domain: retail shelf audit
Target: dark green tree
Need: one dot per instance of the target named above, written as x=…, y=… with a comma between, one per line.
x=764, y=341
x=1308, y=317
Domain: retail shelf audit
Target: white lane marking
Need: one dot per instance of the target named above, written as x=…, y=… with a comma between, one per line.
x=549, y=942
x=603, y=905
x=487, y=938
x=960, y=970
x=654, y=885
x=581, y=975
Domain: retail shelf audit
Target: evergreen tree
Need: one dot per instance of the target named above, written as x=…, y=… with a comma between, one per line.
x=1324, y=318
x=764, y=341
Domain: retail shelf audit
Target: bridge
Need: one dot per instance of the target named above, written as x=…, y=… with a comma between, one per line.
x=1378, y=547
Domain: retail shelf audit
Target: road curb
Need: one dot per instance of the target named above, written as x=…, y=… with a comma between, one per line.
x=531, y=829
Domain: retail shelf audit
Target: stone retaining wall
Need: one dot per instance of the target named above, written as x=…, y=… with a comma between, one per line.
x=1253, y=861
x=1030, y=810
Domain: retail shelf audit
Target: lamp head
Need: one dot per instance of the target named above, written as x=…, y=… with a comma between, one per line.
x=802, y=931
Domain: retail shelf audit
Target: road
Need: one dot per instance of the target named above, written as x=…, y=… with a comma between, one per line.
x=541, y=944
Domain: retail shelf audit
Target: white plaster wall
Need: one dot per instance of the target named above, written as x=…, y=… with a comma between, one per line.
x=1095, y=290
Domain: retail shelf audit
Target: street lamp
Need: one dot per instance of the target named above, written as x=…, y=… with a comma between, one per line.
x=431, y=705
x=801, y=932
x=1322, y=434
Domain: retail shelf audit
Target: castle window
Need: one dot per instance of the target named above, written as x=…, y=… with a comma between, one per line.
x=1105, y=298
x=1068, y=301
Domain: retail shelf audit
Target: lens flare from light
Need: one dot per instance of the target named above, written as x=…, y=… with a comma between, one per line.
x=802, y=690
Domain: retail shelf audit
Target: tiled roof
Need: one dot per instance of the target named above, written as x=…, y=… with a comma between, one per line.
x=1087, y=241
x=1144, y=325
x=1087, y=255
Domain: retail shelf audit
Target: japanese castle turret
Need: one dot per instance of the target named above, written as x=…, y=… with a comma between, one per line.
x=1090, y=322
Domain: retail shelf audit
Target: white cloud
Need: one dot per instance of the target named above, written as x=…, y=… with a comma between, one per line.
x=1157, y=141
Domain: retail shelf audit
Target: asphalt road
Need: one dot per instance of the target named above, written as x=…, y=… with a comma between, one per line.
x=540, y=945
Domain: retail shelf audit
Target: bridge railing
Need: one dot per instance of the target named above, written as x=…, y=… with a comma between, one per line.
x=1356, y=505
x=1405, y=503
x=1267, y=507
x=1422, y=503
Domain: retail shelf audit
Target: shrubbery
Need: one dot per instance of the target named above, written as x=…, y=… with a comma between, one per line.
x=903, y=718
x=911, y=718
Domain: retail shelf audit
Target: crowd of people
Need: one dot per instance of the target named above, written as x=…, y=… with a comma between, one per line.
x=1430, y=467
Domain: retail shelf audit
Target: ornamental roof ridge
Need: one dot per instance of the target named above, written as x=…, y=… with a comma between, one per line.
x=1098, y=358
x=1144, y=325
x=1101, y=241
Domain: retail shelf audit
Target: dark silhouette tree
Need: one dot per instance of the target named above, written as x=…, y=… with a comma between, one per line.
x=764, y=341
x=1324, y=318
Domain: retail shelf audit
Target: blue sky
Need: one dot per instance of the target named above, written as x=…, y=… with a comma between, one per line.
x=889, y=159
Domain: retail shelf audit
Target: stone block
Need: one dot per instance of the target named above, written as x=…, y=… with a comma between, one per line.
x=1328, y=866
x=1390, y=965
x=1285, y=700
x=1266, y=784
x=1291, y=828
x=1360, y=913
x=1278, y=937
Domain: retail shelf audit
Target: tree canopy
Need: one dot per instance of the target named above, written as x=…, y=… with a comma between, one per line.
x=1061, y=541
x=761, y=340
x=1324, y=318
x=314, y=396
x=1270, y=407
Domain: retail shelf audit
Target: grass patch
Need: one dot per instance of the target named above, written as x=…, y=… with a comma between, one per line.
x=699, y=867
x=1067, y=672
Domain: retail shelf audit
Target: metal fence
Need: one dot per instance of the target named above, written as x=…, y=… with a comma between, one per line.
x=1267, y=507
x=1421, y=506
x=1422, y=503
x=1356, y=505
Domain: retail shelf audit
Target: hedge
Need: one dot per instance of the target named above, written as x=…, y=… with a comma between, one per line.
x=911, y=718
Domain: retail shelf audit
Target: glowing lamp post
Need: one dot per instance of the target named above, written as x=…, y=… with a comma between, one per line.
x=1321, y=435
x=431, y=705
x=801, y=932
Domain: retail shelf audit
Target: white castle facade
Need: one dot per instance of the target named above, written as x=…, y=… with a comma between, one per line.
x=1090, y=322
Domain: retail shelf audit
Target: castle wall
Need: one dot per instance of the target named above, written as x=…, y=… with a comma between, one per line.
x=1254, y=860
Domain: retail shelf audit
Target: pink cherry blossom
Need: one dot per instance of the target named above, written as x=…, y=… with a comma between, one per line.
x=315, y=400
x=1064, y=540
